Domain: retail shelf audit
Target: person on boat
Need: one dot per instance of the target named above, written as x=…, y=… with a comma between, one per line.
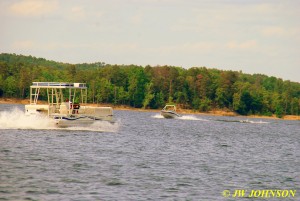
x=69, y=104
x=76, y=107
x=73, y=106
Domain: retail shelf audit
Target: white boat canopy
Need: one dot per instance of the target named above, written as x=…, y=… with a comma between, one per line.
x=55, y=92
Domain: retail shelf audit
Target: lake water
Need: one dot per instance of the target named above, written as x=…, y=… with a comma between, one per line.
x=146, y=157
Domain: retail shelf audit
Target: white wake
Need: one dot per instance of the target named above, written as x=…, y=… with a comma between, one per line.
x=157, y=116
x=191, y=117
x=184, y=117
x=16, y=119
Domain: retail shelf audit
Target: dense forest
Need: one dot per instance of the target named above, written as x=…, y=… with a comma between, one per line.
x=197, y=88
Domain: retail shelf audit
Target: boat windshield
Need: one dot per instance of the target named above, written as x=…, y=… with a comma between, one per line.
x=170, y=108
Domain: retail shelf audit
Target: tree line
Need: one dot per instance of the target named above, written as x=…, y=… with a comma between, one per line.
x=197, y=88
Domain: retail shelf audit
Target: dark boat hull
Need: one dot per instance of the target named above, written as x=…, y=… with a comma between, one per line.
x=169, y=114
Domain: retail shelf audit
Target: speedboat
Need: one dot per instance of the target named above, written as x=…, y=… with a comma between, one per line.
x=66, y=104
x=245, y=121
x=169, y=112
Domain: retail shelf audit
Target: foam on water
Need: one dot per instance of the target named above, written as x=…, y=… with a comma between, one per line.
x=102, y=126
x=16, y=119
x=259, y=122
x=185, y=117
x=157, y=116
x=191, y=117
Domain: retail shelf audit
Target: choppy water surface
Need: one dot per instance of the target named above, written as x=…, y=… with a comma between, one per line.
x=146, y=157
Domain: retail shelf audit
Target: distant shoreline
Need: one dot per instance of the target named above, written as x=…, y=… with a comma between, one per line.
x=181, y=111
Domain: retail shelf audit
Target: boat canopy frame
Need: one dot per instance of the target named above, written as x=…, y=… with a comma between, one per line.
x=55, y=92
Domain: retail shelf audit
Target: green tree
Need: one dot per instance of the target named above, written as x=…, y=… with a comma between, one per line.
x=105, y=93
x=71, y=73
x=136, y=88
x=149, y=94
x=10, y=87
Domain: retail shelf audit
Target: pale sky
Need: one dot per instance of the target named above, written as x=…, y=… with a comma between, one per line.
x=254, y=36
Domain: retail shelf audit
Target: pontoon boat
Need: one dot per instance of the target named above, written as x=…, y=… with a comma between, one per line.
x=66, y=104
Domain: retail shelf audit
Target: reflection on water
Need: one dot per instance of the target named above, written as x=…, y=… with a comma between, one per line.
x=146, y=158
